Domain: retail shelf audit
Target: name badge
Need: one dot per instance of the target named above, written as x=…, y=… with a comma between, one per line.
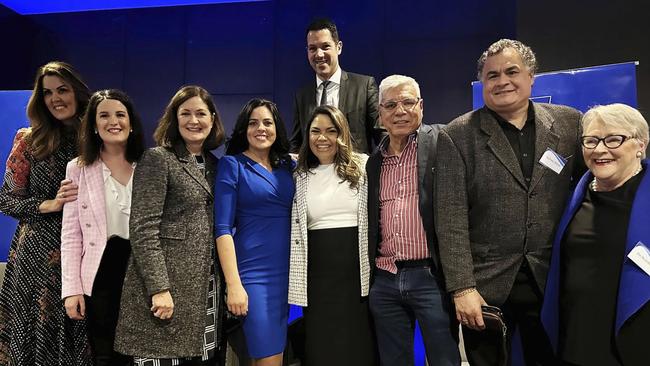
x=640, y=255
x=553, y=160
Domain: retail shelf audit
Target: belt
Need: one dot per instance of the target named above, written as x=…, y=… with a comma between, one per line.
x=415, y=263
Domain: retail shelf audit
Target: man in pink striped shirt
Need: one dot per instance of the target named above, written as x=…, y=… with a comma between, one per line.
x=406, y=282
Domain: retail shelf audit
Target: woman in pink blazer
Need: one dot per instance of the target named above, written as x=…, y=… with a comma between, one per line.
x=95, y=235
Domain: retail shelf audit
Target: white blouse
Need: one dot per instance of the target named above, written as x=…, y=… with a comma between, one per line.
x=118, y=205
x=330, y=202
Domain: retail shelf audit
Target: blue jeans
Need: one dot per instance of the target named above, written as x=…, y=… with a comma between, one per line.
x=396, y=301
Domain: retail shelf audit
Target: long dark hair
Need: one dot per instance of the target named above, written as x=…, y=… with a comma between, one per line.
x=46, y=131
x=90, y=143
x=167, y=133
x=238, y=142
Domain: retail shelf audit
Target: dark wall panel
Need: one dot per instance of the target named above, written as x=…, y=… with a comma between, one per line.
x=567, y=34
x=242, y=50
x=230, y=48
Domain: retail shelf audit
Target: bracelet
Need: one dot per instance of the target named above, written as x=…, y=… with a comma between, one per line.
x=461, y=293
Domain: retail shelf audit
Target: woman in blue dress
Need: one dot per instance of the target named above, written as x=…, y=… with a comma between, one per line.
x=253, y=196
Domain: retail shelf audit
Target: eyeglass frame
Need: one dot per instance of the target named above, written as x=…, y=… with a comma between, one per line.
x=398, y=102
x=599, y=139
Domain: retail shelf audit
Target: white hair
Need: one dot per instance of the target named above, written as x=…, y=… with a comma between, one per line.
x=393, y=81
x=619, y=115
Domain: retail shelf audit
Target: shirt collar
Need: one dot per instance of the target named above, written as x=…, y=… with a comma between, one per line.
x=106, y=173
x=336, y=78
x=530, y=117
x=383, y=147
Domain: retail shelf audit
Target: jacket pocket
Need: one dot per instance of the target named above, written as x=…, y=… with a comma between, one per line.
x=172, y=231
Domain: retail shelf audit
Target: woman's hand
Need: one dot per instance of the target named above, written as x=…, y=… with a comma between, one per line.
x=75, y=307
x=237, y=300
x=67, y=193
x=162, y=305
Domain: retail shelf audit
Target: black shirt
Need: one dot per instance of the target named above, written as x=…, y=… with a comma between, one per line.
x=522, y=141
x=592, y=253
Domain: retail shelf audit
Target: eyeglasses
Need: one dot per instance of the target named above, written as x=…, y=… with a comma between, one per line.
x=408, y=104
x=610, y=141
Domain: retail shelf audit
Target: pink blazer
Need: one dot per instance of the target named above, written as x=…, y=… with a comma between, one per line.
x=83, y=234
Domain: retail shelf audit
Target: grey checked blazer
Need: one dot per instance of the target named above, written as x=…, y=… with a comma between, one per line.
x=172, y=236
x=488, y=220
x=298, y=261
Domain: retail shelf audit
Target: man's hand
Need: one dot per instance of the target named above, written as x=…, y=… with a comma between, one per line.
x=468, y=308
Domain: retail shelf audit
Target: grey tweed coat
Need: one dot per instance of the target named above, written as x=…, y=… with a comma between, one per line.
x=299, y=246
x=488, y=220
x=172, y=235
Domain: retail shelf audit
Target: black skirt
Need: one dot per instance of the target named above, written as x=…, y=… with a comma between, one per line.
x=338, y=327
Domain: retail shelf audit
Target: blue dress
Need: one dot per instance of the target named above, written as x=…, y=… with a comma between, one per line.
x=254, y=206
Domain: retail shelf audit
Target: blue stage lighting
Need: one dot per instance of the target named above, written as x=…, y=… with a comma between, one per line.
x=29, y=7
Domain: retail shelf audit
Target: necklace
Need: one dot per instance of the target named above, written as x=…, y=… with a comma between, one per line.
x=594, y=185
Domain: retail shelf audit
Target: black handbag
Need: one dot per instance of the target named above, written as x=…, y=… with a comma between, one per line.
x=493, y=320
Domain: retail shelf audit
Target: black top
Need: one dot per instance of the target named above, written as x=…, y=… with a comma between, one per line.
x=592, y=254
x=522, y=141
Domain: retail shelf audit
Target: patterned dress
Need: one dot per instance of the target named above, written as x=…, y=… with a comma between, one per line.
x=34, y=328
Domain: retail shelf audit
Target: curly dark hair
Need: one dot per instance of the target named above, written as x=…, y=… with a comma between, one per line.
x=348, y=165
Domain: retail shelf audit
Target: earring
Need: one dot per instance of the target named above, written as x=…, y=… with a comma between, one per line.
x=639, y=154
x=131, y=130
x=96, y=131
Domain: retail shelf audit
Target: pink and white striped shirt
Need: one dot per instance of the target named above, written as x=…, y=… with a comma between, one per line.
x=402, y=231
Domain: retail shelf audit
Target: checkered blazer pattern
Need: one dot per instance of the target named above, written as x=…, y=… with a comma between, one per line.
x=298, y=261
x=83, y=233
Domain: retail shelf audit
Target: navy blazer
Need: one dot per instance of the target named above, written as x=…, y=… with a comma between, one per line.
x=426, y=155
x=634, y=285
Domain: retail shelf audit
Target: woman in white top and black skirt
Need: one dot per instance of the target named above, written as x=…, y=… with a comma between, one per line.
x=95, y=244
x=329, y=269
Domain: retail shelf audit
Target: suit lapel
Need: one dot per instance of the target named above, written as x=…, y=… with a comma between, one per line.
x=343, y=92
x=189, y=165
x=258, y=169
x=499, y=145
x=424, y=147
x=302, y=183
x=94, y=179
x=634, y=284
x=309, y=102
x=544, y=138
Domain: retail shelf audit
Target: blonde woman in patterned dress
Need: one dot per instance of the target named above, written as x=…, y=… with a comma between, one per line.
x=34, y=329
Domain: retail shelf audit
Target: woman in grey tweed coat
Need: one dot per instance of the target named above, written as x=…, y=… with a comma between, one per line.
x=170, y=282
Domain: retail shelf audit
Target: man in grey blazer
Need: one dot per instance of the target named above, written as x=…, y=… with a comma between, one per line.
x=354, y=94
x=503, y=175
x=406, y=279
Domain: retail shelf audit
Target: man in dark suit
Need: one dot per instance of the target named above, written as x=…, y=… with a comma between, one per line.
x=406, y=280
x=503, y=175
x=354, y=94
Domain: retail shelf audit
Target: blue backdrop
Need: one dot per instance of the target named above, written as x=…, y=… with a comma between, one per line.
x=581, y=88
